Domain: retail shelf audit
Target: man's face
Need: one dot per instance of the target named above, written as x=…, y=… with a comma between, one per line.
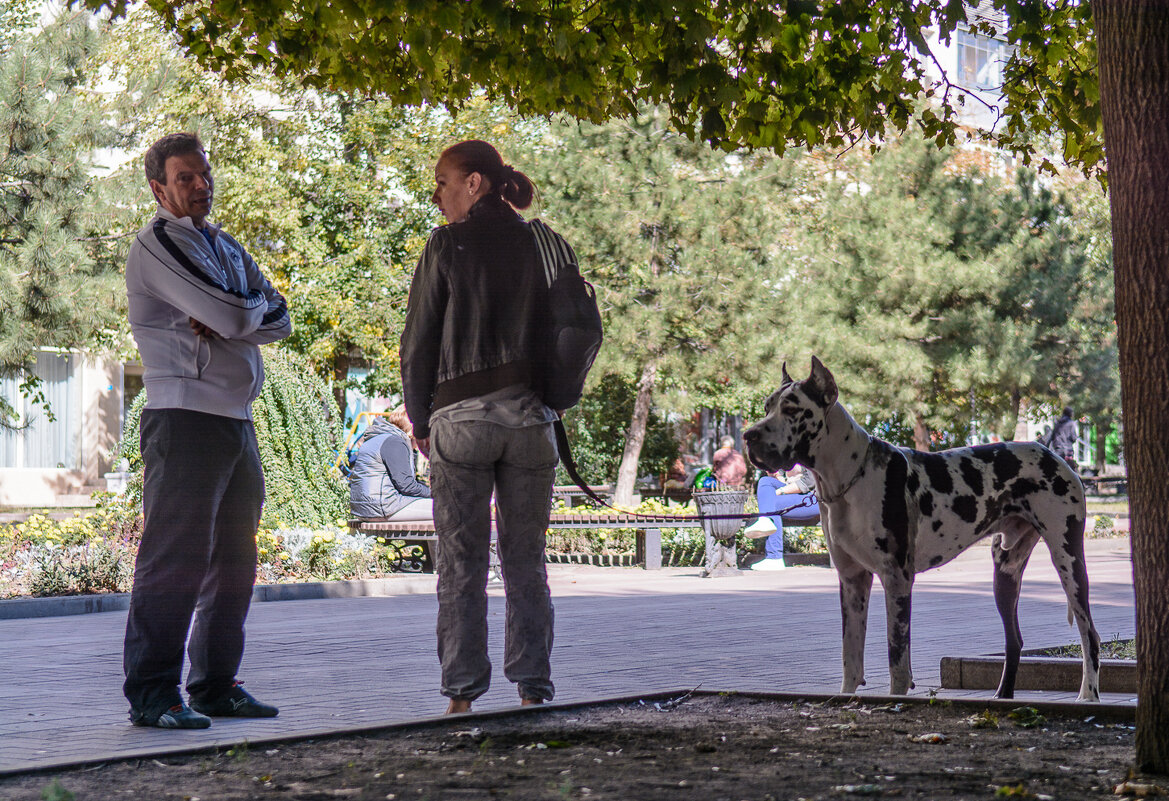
x=188, y=189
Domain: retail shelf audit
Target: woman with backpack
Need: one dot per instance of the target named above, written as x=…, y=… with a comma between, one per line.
x=471, y=379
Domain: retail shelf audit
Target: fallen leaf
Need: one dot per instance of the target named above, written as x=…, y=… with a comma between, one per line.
x=1139, y=789
x=934, y=737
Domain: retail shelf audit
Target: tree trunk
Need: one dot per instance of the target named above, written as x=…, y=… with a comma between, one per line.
x=1134, y=93
x=1021, y=413
x=627, y=472
x=921, y=433
x=1102, y=424
x=1009, y=429
x=340, y=375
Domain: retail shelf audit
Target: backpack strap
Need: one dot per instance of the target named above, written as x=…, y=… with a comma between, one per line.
x=570, y=464
x=555, y=253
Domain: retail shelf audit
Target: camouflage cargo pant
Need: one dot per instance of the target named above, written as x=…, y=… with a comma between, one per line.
x=470, y=461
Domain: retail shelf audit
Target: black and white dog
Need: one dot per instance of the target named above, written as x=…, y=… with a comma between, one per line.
x=897, y=512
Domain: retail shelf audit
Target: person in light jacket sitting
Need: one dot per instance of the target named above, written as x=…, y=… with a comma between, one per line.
x=383, y=484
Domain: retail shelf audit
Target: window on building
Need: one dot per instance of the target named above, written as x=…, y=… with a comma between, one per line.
x=980, y=61
x=41, y=442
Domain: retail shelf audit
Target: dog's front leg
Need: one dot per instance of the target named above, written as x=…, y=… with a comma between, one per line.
x=856, y=584
x=898, y=592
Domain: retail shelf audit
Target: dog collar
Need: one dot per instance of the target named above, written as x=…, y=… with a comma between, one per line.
x=860, y=471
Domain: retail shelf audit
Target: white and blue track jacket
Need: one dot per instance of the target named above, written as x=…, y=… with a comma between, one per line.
x=174, y=274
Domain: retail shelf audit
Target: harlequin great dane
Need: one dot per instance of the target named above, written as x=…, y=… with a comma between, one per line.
x=897, y=512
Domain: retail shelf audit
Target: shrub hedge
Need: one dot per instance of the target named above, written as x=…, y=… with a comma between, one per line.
x=298, y=431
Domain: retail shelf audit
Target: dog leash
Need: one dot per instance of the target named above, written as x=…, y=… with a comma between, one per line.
x=597, y=501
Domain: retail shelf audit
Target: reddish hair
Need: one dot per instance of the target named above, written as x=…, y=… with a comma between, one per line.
x=505, y=181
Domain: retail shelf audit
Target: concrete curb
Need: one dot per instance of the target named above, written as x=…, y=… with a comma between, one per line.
x=20, y=608
x=1036, y=673
x=1120, y=713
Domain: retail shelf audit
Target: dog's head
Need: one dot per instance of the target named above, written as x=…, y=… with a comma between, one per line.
x=793, y=419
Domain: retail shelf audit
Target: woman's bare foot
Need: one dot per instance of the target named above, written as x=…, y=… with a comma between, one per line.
x=458, y=705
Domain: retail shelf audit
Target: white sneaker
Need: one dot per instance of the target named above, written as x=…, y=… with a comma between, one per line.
x=769, y=565
x=763, y=527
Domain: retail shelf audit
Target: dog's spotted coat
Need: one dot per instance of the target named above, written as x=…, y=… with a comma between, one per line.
x=895, y=512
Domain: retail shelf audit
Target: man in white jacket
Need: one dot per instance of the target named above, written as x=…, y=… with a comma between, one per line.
x=199, y=308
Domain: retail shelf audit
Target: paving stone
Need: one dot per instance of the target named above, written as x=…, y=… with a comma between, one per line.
x=346, y=663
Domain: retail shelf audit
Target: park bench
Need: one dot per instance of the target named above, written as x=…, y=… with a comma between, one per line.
x=412, y=542
x=572, y=495
x=649, y=530
x=1105, y=485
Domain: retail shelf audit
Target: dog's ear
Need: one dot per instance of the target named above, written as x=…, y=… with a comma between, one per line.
x=822, y=383
x=785, y=378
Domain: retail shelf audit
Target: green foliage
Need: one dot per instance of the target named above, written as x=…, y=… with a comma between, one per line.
x=1114, y=648
x=596, y=430
x=329, y=192
x=761, y=75
x=680, y=241
x=59, y=280
x=299, y=436
x=1100, y=526
x=945, y=297
x=17, y=17
x=298, y=433
x=680, y=546
x=86, y=553
x=56, y=792
x=1026, y=717
x=82, y=570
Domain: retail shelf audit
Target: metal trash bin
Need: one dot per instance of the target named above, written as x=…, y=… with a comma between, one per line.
x=720, y=533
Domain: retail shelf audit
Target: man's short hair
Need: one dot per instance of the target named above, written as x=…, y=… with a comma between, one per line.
x=175, y=144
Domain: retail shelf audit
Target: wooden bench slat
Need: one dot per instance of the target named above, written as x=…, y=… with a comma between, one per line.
x=648, y=529
x=389, y=527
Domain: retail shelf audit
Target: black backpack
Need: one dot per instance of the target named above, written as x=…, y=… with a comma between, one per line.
x=572, y=323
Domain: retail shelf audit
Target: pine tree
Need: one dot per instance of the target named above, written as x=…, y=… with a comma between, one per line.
x=59, y=280
x=948, y=295
x=677, y=238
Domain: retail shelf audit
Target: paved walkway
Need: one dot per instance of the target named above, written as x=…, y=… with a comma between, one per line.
x=333, y=665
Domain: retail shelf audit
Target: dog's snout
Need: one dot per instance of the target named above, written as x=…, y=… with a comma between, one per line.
x=750, y=435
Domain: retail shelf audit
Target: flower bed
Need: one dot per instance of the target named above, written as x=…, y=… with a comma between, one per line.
x=94, y=551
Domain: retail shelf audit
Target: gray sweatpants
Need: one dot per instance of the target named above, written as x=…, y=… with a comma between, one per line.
x=468, y=461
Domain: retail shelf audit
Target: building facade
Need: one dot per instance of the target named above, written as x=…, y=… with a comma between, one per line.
x=67, y=431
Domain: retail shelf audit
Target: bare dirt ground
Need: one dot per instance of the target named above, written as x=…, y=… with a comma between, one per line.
x=705, y=748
